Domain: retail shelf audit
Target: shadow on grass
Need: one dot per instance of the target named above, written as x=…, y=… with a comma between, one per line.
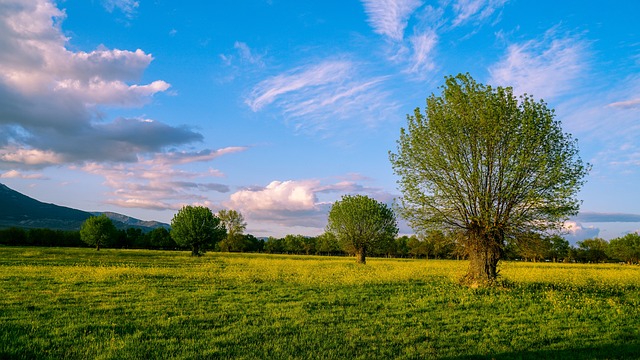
x=619, y=351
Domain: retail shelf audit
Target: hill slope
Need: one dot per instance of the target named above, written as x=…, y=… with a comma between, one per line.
x=22, y=211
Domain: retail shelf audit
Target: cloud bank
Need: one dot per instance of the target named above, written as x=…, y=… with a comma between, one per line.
x=52, y=100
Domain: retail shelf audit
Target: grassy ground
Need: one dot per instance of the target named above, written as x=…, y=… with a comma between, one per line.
x=118, y=304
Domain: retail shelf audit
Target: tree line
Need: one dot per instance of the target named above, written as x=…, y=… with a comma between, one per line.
x=435, y=245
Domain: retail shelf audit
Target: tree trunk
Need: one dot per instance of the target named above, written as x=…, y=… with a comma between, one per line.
x=98, y=246
x=484, y=254
x=360, y=256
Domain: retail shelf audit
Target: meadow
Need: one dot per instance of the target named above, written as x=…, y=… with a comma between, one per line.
x=137, y=304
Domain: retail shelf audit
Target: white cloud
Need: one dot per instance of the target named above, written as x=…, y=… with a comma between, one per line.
x=545, y=68
x=423, y=46
x=475, y=10
x=247, y=55
x=14, y=174
x=52, y=100
x=278, y=196
x=128, y=7
x=627, y=104
x=269, y=90
x=30, y=156
x=390, y=17
x=321, y=96
x=157, y=183
x=297, y=202
x=575, y=232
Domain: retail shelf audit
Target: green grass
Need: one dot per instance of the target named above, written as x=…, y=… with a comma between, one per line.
x=121, y=304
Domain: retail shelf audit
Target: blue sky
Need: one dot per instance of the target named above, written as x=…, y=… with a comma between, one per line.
x=277, y=108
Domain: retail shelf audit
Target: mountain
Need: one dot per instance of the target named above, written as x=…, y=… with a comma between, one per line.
x=132, y=222
x=22, y=211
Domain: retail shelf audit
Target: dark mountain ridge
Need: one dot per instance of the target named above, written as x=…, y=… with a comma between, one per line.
x=19, y=210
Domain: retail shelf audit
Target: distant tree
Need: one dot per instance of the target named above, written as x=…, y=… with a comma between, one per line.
x=98, y=231
x=559, y=248
x=401, y=247
x=592, y=250
x=327, y=243
x=418, y=248
x=438, y=243
x=13, y=236
x=274, y=245
x=197, y=228
x=252, y=243
x=234, y=223
x=532, y=246
x=160, y=238
x=362, y=224
x=626, y=248
x=294, y=244
x=481, y=161
x=309, y=244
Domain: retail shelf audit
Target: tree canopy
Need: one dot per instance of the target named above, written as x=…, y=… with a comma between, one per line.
x=234, y=223
x=98, y=231
x=361, y=224
x=197, y=228
x=489, y=164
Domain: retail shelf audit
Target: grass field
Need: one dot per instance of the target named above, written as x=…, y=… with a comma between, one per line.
x=117, y=304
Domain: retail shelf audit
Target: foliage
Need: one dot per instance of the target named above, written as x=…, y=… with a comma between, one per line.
x=626, y=248
x=327, y=244
x=489, y=164
x=98, y=231
x=139, y=304
x=234, y=223
x=592, y=250
x=362, y=224
x=197, y=228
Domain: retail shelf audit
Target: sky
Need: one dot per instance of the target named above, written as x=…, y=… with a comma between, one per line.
x=277, y=108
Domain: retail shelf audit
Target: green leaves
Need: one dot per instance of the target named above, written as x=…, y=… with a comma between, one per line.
x=481, y=153
x=361, y=223
x=98, y=231
x=482, y=161
x=197, y=228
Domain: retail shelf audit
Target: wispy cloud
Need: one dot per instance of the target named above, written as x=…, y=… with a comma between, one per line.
x=15, y=174
x=412, y=31
x=475, y=11
x=267, y=91
x=127, y=7
x=317, y=96
x=390, y=17
x=423, y=46
x=627, y=104
x=158, y=183
x=546, y=67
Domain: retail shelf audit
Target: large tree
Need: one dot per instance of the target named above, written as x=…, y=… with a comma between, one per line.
x=197, y=228
x=362, y=224
x=98, y=231
x=489, y=164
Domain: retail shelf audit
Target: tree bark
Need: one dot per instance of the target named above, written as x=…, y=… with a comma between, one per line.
x=484, y=254
x=360, y=256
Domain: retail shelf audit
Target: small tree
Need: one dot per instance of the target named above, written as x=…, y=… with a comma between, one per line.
x=234, y=223
x=487, y=164
x=361, y=224
x=98, y=231
x=197, y=228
